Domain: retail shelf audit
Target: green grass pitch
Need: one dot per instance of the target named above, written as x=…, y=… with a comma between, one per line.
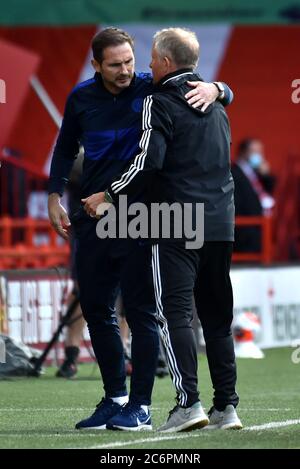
x=41, y=412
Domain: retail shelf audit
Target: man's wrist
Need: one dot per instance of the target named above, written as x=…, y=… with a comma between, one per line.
x=220, y=88
x=54, y=196
x=107, y=197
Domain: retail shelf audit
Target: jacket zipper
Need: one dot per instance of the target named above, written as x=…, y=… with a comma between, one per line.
x=116, y=134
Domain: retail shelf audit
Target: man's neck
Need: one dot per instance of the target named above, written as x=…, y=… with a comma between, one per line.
x=111, y=88
x=174, y=74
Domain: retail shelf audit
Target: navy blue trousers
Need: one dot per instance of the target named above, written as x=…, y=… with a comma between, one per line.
x=104, y=266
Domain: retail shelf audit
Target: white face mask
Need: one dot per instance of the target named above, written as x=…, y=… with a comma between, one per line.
x=255, y=160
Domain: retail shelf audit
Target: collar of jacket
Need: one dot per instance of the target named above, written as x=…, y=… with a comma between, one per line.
x=175, y=76
x=99, y=81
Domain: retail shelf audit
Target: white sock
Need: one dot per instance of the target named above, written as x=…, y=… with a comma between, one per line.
x=120, y=400
x=145, y=409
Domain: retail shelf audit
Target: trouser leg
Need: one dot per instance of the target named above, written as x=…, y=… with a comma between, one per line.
x=98, y=278
x=139, y=302
x=174, y=273
x=214, y=302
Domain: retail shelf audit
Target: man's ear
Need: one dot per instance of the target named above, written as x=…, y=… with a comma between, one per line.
x=167, y=64
x=96, y=65
x=166, y=61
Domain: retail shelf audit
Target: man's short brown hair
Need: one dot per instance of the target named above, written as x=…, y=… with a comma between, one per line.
x=109, y=37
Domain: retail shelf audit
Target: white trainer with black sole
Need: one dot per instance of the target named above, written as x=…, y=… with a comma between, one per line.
x=226, y=419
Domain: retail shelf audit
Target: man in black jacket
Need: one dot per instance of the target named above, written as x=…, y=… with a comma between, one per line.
x=185, y=160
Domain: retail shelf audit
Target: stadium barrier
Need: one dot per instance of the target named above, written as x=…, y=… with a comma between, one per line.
x=265, y=256
x=32, y=300
x=32, y=243
x=32, y=303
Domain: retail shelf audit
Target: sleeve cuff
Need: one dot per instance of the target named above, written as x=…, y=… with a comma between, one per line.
x=109, y=196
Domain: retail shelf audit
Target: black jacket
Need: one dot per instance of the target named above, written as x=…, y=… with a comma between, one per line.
x=247, y=203
x=186, y=155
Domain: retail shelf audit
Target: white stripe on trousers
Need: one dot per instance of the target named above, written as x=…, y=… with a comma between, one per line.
x=175, y=373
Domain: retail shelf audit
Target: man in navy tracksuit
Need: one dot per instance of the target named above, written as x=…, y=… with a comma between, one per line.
x=104, y=115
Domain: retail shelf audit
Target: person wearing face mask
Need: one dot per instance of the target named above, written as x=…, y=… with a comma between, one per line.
x=253, y=196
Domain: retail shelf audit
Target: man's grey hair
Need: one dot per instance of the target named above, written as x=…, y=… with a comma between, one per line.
x=178, y=44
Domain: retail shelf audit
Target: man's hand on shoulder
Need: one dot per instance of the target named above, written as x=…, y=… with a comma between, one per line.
x=203, y=94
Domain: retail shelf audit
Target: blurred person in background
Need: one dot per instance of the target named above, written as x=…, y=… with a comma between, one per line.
x=254, y=186
x=75, y=326
x=73, y=337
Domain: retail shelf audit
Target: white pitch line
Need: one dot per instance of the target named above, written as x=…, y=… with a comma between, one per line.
x=265, y=426
x=54, y=409
x=37, y=435
x=43, y=409
x=118, y=444
x=272, y=409
x=271, y=425
x=155, y=409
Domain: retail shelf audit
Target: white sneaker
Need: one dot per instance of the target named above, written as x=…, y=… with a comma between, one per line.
x=185, y=419
x=224, y=420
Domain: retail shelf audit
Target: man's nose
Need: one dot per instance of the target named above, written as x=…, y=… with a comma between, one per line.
x=124, y=69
